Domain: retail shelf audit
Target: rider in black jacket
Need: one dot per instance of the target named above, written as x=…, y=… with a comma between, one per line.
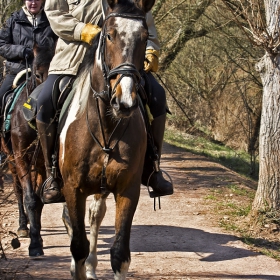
x=17, y=37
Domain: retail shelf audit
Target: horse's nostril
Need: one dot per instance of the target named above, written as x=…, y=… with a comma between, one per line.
x=115, y=103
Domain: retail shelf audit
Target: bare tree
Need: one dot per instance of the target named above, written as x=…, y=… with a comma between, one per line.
x=185, y=28
x=7, y=7
x=263, y=20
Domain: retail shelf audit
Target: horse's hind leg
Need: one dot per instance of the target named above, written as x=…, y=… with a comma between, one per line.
x=126, y=204
x=66, y=221
x=33, y=207
x=23, y=230
x=97, y=212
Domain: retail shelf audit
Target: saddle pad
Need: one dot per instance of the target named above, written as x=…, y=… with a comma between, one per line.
x=10, y=106
x=64, y=111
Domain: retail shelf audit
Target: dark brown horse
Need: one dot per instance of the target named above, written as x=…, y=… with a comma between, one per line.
x=103, y=142
x=19, y=145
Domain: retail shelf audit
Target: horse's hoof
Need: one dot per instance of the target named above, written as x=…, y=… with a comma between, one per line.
x=91, y=276
x=36, y=252
x=24, y=233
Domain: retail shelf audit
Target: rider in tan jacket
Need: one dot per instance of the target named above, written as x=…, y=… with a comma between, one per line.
x=76, y=23
x=68, y=20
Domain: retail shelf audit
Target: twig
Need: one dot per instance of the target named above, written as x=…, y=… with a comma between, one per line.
x=1, y=248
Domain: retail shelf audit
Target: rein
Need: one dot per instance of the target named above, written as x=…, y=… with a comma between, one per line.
x=32, y=78
x=124, y=70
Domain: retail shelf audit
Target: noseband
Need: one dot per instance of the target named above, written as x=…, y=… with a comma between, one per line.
x=124, y=69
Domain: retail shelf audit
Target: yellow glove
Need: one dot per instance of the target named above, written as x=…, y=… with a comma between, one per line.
x=89, y=32
x=151, y=60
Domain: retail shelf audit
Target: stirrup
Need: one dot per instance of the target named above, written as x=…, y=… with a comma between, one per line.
x=49, y=180
x=154, y=194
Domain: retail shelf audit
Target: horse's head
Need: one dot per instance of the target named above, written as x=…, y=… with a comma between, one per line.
x=122, y=52
x=43, y=55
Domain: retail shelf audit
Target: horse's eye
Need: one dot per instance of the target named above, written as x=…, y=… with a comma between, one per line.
x=109, y=37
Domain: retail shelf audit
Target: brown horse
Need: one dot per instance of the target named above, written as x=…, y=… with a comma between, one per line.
x=19, y=145
x=103, y=142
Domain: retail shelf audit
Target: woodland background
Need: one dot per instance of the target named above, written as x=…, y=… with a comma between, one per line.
x=207, y=64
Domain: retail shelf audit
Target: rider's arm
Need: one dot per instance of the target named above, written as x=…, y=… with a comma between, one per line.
x=153, y=42
x=62, y=21
x=9, y=50
x=153, y=46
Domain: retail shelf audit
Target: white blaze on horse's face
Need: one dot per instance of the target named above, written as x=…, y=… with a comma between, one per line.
x=127, y=30
x=127, y=86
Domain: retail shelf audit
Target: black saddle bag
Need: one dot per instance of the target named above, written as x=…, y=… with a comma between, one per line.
x=30, y=106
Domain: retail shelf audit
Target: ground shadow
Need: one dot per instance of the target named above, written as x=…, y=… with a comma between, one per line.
x=202, y=176
x=169, y=238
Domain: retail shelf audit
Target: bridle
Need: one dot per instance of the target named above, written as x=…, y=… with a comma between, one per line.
x=124, y=69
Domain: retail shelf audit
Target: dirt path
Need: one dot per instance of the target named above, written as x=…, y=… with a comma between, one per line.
x=180, y=241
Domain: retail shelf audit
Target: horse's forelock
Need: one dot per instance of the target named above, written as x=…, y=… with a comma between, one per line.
x=126, y=6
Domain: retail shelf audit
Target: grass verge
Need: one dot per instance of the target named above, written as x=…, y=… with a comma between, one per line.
x=238, y=161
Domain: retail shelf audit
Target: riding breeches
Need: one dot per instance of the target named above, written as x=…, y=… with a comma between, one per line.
x=45, y=109
x=158, y=98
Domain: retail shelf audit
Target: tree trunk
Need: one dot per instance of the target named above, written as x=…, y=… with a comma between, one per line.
x=268, y=192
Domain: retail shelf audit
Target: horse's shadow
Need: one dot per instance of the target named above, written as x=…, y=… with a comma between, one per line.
x=208, y=246
x=211, y=246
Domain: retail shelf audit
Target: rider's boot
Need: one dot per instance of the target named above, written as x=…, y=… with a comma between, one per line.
x=51, y=189
x=152, y=175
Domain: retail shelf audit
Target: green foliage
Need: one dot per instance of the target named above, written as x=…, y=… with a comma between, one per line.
x=238, y=161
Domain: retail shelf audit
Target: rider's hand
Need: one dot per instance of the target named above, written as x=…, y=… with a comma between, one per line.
x=89, y=32
x=151, y=60
x=28, y=53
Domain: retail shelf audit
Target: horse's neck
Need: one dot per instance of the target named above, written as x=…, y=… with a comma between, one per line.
x=97, y=79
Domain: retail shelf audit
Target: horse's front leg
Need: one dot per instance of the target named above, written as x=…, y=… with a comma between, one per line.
x=76, y=203
x=33, y=206
x=97, y=212
x=126, y=204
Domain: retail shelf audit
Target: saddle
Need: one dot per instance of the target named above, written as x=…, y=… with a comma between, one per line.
x=9, y=99
x=61, y=90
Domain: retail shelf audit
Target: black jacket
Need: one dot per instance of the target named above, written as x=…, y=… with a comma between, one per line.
x=17, y=34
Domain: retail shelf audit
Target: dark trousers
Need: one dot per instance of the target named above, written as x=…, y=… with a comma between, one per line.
x=45, y=108
x=46, y=111
x=158, y=98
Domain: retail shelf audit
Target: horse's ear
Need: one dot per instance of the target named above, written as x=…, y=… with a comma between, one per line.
x=145, y=5
x=112, y=3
